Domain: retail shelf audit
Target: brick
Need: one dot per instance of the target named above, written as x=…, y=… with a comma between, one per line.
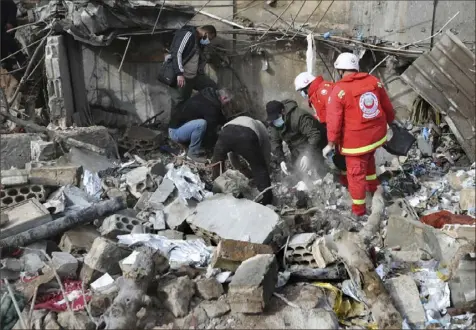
x=15, y=150
x=23, y=216
x=253, y=284
x=406, y=298
x=229, y=253
x=209, y=288
x=42, y=150
x=161, y=194
x=78, y=240
x=65, y=264
x=56, y=175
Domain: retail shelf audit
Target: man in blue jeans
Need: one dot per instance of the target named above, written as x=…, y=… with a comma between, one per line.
x=197, y=120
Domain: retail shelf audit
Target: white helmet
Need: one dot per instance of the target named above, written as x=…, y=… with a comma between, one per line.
x=303, y=80
x=347, y=61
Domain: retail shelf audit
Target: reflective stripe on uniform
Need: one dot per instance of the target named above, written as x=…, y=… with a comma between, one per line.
x=358, y=201
x=365, y=148
x=371, y=177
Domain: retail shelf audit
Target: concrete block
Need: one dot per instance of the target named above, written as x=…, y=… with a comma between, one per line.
x=467, y=199
x=78, y=240
x=143, y=202
x=32, y=263
x=43, y=150
x=105, y=255
x=215, y=308
x=177, y=212
x=65, y=264
x=462, y=283
x=226, y=217
x=253, y=284
x=300, y=249
x=14, y=177
x=15, y=150
x=117, y=224
x=171, y=234
x=229, y=254
x=176, y=294
x=209, y=288
x=138, y=180
x=14, y=195
x=163, y=192
x=406, y=298
x=95, y=135
x=23, y=216
x=41, y=247
x=56, y=175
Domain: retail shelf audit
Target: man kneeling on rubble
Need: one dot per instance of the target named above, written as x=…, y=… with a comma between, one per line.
x=301, y=132
x=197, y=120
x=246, y=137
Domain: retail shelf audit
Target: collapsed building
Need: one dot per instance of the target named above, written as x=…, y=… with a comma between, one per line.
x=105, y=225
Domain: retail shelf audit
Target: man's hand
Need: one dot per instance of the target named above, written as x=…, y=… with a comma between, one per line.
x=304, y=163
x=180, y=81
x=284, y=168
x=330, y=147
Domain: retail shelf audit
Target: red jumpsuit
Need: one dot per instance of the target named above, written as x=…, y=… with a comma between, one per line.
x=358, y=111
x=319, y=91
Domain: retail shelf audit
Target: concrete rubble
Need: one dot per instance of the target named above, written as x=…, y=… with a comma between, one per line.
x=139, y=236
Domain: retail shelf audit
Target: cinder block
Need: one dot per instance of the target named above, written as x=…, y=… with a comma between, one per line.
x=117, y=224
x=139, y=180
x=23, y=216
x=229, y=253
x=14, y=195
x=253, y=284
x=56, y=175
x=15, y=150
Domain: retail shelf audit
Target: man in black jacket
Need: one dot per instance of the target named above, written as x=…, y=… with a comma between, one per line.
x=188, y=62
x=198, y=118
x=9, y=45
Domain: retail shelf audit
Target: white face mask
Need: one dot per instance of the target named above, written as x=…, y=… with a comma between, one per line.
x=205, y=41
x=279, y=122
x=303, y=94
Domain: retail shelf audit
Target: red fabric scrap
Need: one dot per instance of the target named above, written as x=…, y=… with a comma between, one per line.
x=57, y=303
x=441, y=218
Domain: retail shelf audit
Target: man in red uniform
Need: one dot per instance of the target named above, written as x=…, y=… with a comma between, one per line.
x=358, y=111
x=316, y=90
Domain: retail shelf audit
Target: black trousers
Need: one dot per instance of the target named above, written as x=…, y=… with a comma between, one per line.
x=244, y=142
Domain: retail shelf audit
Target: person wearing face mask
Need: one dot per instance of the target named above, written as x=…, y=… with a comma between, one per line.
x=297, y=127
x=358, y=112
x=188, y=62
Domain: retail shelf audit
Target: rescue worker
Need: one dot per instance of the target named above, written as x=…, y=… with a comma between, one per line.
x=9, y=45
x=301, y=132
x=188, y=61
x=198, y=119
x=248, y=138
x=358, y=112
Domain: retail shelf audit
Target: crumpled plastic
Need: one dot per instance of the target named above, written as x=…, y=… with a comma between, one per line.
x=179, y=252
x=188, y=184
x=92, y=183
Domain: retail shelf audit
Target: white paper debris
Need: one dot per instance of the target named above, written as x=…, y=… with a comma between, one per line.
x=102, y=282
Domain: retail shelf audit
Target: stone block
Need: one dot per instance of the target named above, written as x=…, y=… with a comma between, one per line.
x=215, y=308
x=14, y=195
x=14, y=177
x=253, y=284
x=406, y=298
x=226, y=217
x=23, y=216
x=42, y=150
x=177, y=212
x=163, y=192
x=105, y=255
x=209, y=288
x=117, y=224
x=55, y=175
x=78, y=240
x=65, y=264
x=463, y=283
x=467, y=199
x=15, y=150
x=229, y=254
x=176, y=294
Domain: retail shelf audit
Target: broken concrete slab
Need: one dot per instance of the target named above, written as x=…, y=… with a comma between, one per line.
x=176, y=294
x=138, y=180
x=296, y=318
x=55, y=175
x=231, y=182
x=23, y=216
x=15, y=149
x=253, y=284
x=461, y=231
x=95, y=135
x=306, y=296
x=78, y=240
x=32, y=263
x=226, y=217
x=143, y=201
x=229, y=254
x=215, y=308
x=42, y=150
x=171, y=234
x=462, y=283
x=14, y=177
x=209, y=288
x=177, y=212
x=163, y=192
x=467, y=199
x=405, y=296
x=65, y=264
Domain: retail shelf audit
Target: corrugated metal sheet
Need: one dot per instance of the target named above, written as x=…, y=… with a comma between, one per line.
x=445, y=77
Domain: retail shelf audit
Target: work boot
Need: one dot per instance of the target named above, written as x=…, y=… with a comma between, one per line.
x=196, y=158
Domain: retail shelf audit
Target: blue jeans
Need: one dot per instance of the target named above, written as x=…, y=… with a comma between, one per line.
x=192, y=132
